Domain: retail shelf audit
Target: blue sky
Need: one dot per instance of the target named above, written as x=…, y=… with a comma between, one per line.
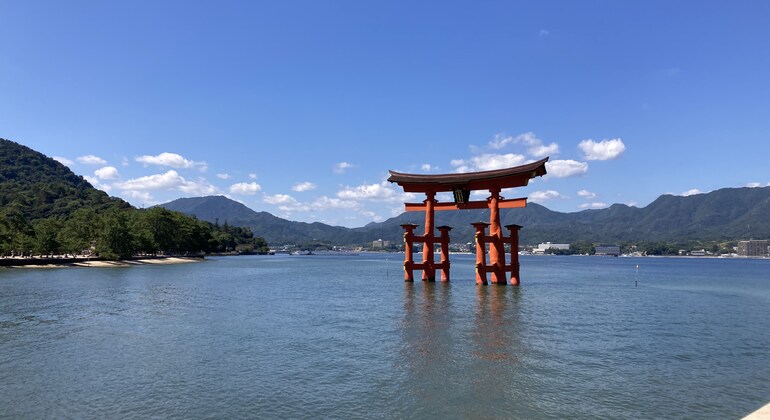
x=299, y=108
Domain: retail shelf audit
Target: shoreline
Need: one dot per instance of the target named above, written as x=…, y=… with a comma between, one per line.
x=16, y=263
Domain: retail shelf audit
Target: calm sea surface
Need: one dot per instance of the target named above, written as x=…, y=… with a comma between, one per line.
x=344, y=337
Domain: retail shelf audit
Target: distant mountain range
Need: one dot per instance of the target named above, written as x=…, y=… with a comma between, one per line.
x=725, y=214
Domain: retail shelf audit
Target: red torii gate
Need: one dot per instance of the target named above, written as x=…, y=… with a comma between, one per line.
x=461, y=185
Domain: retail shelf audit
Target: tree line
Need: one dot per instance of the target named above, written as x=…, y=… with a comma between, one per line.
x=119, y=233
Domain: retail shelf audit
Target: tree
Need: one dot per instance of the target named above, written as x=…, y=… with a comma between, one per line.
x=80, y=231
x=46, y=241
x=116, y=239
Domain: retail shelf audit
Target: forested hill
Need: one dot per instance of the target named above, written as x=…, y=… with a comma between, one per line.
x=40, y=187
x=46, y=209
x=722, y=215
x=274, y=229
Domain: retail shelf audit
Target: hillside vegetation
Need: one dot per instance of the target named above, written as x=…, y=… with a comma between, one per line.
x=46, y=209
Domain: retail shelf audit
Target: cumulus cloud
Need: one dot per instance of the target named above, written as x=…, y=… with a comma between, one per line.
x=170, y=180
x=586, y=194
x=565, y=168
x=64, y=161
x=172, y=160
x=487, y=162
x=252, y=176
x=593, y=205
x=107, y=172
x=602, y=150
x=341, y=167
x=280, y=199
x=245, y=188
x=383, y=191
x=289, y=204
x=223, y=176
x=96, y=183
x=535, y=146
x=326, y=203
x=303, y=186
x=543, y=196
x=91, y=160
x=141, y=196
x=693, y=191
x=427, y=167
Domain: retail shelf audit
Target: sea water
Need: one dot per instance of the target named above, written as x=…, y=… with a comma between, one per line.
x=345, y=337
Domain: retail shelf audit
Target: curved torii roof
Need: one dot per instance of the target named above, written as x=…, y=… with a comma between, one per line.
x=517, y=176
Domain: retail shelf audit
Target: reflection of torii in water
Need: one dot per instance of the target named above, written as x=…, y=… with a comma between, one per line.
x=461, y=186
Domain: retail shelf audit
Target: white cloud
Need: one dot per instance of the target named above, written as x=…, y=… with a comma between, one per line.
x=488, y=162
x=252, y=176
x=303, y=186
x=280, y=199
x=246, y=188
x=172, y=160
x=543, y=151
x=427, y=167
x=593, y=205
x=543, y=196
x=107, y=172
x=632, y=203
x=479, y=195
x=543, y=32
x=170, y=180
x=223, y=176
x=141, y=196
x=64, y=161
x=326, y=203
x=565, y=168
x=535, y=146
x=96, y=183
x=603, y=150
x=586, y=194
x=378, y=192
x=289, y=204
x=341, y=167
x=91, y=160
x=693, y=191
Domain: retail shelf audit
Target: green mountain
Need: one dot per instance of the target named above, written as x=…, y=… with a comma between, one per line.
x=40, y=187
x=726, y=214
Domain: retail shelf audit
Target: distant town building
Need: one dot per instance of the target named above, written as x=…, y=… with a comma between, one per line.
x=379, y=243
x=752, y=248
x=613, y=250
x=542, y=248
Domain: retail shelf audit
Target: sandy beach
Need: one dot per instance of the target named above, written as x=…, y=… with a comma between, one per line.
x=30, y=263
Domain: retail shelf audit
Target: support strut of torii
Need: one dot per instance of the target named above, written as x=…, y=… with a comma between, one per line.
x=461, y=186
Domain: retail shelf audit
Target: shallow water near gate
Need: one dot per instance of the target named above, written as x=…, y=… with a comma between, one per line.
x=344, y=336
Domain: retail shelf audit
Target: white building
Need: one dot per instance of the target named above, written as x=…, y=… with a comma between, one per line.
x=542, y=248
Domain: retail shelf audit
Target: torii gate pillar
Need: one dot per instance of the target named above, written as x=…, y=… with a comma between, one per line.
x=428, y=272
x=496, y=249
